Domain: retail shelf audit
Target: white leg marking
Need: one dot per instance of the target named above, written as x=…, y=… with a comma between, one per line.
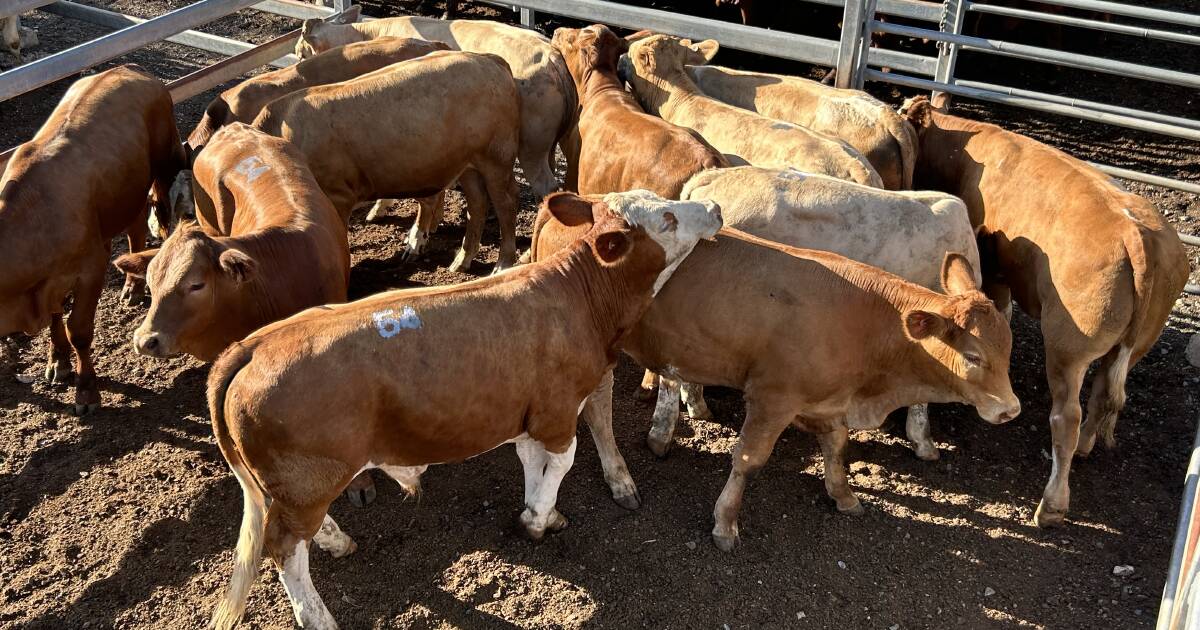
x=307, y=606
x=379, y=210
x=666, y=414
x=332, y=539
x=533, y=461
x=540, y=513
x=415, y=244
x=693, y=398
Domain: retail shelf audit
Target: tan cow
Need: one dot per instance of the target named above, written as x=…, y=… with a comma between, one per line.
x=860, y=120
x=623, y=147
x=410, y=130
x=812, y=339
x=409, y=354
x=548, y=103
x=65, y=194
x=269, y=244
x=904, y=233
x=243, y=102
x=1096, y=264
x=15, y=37
x=655, y=69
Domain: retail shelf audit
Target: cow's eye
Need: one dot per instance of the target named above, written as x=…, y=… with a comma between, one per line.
x=196, y=286
x=973, y=359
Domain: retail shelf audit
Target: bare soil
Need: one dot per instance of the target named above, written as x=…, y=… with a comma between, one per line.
x=127, y=518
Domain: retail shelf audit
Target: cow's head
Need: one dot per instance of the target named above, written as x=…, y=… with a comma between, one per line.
x=317, y=36
x=675, y=226
x=192, y=280
x=657, y=60
x=971, y=341
x=179, y=206
x=595, y=48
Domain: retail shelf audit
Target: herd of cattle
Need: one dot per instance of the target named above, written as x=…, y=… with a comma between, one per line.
x=726, y=228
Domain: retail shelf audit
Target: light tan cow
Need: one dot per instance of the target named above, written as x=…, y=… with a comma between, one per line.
x=294, y=434
x=64, y=195
x=812, y=339
x=1097, y=265
x=548, y=102
x=410, y=130
x=860, y=120
x=15, y=37
x=904, y=233
x=655, y=69
x=268, y=244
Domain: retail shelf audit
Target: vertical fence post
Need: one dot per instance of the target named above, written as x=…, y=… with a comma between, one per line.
x=863, y=49
x=954, y=12
x=849, y=43
x=528, y=17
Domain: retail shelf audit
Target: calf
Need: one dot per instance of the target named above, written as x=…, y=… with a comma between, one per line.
x=875, y=130
x=905, y=233
x=621, y=146
x=811, y=339
x=65, y=194
x=1097, y=265
x=269, y=244
x=548, y=101
x=656, y=71
x=410, y=130
x=409, y=353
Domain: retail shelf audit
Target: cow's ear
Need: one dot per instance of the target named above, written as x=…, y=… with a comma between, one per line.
x=611, y=246
x=238, y=265
x=643, y=59
x=707, y=48
x=310, y=25
x=569, y=209
x=958, y=276
x=921, y=324
x=135, y=264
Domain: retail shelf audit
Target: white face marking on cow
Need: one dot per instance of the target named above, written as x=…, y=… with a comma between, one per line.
x=252, y=167
x=675, y=225
x=389, y=324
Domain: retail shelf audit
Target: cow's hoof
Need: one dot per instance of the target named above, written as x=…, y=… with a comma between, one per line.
x=1046, y=517
x=926, y=452
x=647, y=394
x=629, y=501
x=557, y=523
x=345, y=549
x=854, y=509
x=132, y=293
x=659, y=445
x=58, y=372
x=725, y=543
x=461, y=263
x=361, y=497
x=409, y=254
x=85, y=409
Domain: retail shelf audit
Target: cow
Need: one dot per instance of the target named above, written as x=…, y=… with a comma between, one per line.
x=811, y=339
x=64, y=195
x=243, y=102
x=410, y=130
x=621, y=146
x=875, y=130
x=409, y=353
x=655, y=69
x=548, y=101
x=904, y=233
x=15, y=38
x=268, y=244
x=1097, y=265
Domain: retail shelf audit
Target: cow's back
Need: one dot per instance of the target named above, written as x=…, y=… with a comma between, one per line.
x=905, y=233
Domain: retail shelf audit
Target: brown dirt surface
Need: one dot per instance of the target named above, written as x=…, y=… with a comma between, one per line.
x=128, y=518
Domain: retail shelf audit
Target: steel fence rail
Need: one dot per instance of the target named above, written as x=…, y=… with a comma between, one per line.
x=1184, y=542
x=1022, y=51
x=295, y=9
x=17, y=7
x=1067, y=20
x=912, y=9
x=1128, y=10
x=194, y=39
x=1078, y=102
x=82, y=56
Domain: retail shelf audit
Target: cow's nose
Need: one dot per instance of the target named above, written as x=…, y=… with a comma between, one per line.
x=147, y=344
x=1011, y=413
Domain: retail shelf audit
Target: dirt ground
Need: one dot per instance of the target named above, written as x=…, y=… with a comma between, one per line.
x=128, y=518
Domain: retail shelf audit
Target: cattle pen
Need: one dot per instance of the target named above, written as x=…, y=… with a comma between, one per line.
x=563, y=593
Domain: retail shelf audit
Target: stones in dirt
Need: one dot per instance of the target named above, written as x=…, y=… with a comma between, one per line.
x=1122, y=570
x=1193, y=350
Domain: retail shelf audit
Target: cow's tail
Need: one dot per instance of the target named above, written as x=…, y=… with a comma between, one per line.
x=905, y=137
x=215, y=115
x=254, y=499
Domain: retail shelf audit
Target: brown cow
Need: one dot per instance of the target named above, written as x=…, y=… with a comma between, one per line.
x=410, y=130
x=1097, y=265
x=269, y=244
x=64, y=195
x=244, y=101
x=622, y=147
x=409, y=353
x=812, y=339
